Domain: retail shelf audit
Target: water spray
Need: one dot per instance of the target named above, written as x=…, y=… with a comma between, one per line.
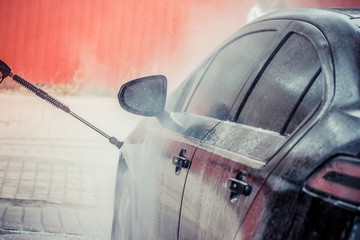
x=6, y=71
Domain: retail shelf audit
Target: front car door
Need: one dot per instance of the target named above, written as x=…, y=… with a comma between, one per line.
x=233, y=161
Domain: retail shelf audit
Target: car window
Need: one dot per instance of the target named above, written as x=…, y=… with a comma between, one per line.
x=278, y=91
x=180, y=95
x=221, y=83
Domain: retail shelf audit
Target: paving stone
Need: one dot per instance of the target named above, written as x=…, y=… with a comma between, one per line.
x=33, y=219
x=70, y=221
x=88, y=222
x=13, y=218
x=51, y=220
x=2, y=212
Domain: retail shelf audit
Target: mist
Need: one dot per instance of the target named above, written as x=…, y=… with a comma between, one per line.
x=99, y=45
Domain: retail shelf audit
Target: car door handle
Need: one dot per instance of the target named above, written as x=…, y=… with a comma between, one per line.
x=180, y=161
x=238, y=187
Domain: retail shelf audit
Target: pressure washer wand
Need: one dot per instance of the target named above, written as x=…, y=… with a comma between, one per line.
x=6, y=71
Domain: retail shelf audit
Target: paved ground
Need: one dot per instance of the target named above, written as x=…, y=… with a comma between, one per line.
x=57, y=176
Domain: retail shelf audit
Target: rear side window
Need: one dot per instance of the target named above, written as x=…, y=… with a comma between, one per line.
x=285, y=93
x=221, y=83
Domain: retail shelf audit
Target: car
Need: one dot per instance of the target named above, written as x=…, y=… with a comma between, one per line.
x=261, y=140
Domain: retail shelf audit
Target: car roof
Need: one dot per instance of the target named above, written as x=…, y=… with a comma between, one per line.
x=350, y=12
x=315, y=16
x=333, y=22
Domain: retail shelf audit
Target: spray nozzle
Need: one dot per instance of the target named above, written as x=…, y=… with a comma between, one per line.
x=5, y=70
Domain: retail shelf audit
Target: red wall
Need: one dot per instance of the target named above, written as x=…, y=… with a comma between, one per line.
x=107, y=42
x=98, y=42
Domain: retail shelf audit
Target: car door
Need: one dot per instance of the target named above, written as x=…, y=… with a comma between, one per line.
x=159, y=163
x=235, y=158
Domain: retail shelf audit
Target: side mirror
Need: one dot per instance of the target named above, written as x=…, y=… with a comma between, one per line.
x=144, y=96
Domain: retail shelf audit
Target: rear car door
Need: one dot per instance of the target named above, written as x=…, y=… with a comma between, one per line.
x=232, y=162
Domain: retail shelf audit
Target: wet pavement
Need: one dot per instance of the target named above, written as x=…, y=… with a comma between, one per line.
x=57, y=176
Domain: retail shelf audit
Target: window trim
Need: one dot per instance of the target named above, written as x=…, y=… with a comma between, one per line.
x=299, y=101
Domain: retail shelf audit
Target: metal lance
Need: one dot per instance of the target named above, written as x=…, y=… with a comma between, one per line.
x=6, y=71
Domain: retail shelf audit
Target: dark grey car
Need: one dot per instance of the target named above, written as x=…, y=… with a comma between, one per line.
x=262, y=141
